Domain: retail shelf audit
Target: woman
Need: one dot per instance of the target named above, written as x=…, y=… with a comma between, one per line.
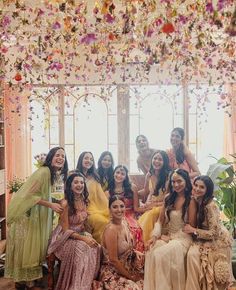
x=145, y=153
x=105, y=169
x=78, y=252
x=165, y=261
x=98, y=203
x=209, y=258
x=155, y=187
x=180, y=156
x=120, y=185
x=122, y=266
x=29, y=219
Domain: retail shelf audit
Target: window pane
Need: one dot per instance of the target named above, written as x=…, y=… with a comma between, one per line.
x=113, y=131
x=54, y=130
x=40, y=129
x=91, y=126
x=69, y=132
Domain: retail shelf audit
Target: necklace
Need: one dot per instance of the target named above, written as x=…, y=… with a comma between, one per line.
x=78, y=198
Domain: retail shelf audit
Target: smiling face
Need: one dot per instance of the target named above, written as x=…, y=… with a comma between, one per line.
x=157, y=161
x=142, y=143
x=119, y=175
x=88, y=161
x=199, y=188
x=58, y=159
x=175, y=139
x=117, y=209
x=77, y=185
x=106, y=161
x=178, y=183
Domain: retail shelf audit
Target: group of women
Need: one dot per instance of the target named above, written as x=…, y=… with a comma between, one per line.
x=106, y=238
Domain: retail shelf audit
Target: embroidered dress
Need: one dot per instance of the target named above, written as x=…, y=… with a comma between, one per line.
x=109, y=278
x=209, y=258
x=79, y=262
x=165, y=262
x=97, y=209
x=133, y=223
x=148, y=219
x=29, y=228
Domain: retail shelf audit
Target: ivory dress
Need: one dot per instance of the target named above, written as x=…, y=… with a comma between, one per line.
x=209, y=258
x=165, y=262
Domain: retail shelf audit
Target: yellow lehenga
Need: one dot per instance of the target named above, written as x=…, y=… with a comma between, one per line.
x=98, y=210
x=148, y=219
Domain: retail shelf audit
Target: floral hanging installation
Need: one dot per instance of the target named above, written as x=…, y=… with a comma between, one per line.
x=117, y=41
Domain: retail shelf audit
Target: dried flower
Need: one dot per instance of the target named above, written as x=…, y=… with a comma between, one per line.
x=15, y=184
x=40, y=159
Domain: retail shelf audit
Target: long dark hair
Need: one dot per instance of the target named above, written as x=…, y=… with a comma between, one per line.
x=171, y=198
x=208, y=196
x=48, y=163
x=69, y=195
x=105, y=173
x=179, y=153
x=164, y=172
x=128, y=192
x=92, y=171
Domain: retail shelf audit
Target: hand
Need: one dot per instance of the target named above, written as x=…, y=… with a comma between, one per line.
x=90, y=241
x=150, y=243
x=57, y=207
x=165, y=238
x=188, y=229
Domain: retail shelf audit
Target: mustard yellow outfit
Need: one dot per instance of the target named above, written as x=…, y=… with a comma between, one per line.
x=148, y=219
x=98, y=212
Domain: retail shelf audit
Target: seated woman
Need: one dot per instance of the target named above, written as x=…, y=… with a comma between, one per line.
x=165, y=261
x=145, y=153
x=120, y=185
x=105, y=169
x=122, y=266
x=180, y=156
x=155, y=187
x=98, y=203
x=78, y=252
x=209, y=258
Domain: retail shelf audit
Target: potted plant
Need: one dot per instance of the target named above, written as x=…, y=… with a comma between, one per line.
x=223, y=175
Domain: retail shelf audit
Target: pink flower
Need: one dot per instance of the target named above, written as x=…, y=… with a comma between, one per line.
x=109, y=18
x=56, y=65
x=6, y=21
x=209, y=7
x=89, y=38
x=56, y=25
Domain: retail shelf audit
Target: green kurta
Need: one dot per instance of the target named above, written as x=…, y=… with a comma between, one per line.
x=29, y=228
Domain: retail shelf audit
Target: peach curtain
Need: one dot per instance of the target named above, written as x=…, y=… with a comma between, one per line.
x=230, y=124
x=18, y=137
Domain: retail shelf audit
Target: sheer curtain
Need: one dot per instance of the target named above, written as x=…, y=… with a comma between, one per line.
x=230, y=124
x=18, y=137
